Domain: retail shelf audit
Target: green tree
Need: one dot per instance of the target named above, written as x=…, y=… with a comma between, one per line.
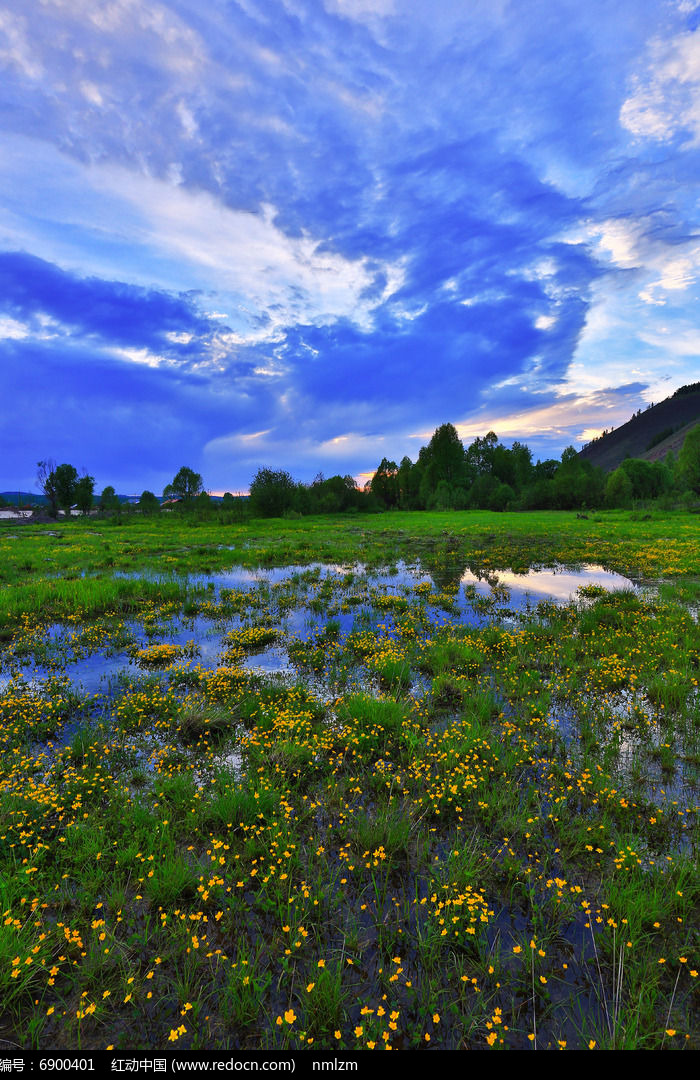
x=148, y=503
x=333, y=495
x=442, y=497
x=577, y=482
x=689, y=461
x=109, y=500
x=546, y=470
x=186, y=484
x=46, y=479
x=446, y=455
x=522, y=464
x=66, y=482
x=409, y=477
x=618, y=489
x=649, y=479
x=84, y=493
x=480, y=453
x=384, y=485
x=444, y=469
x=569, y=458
x=272, y=491
x=481, y=491
x=503, y=467
x=501, y=496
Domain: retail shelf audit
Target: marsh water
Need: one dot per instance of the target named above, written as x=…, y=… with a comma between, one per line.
x=299, y=601
x=302, y=605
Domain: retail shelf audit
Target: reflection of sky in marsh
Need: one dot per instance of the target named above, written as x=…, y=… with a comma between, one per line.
x=557, y=583
x=304, y=623
x=101, y=669
x=241, y=576
x=273, y=660
x=35, y=681
x=639, y=736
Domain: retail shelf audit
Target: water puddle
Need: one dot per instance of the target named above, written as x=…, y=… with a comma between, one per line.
x=636, y=748
x=557, y=585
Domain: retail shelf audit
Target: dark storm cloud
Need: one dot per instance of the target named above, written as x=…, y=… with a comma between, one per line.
x=113, y=311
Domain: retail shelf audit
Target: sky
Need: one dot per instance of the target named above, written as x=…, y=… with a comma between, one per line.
x=302, y=234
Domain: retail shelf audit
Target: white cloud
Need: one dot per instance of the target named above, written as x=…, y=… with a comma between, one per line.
x=633, y=245
x=590, y=433
x=116, y=222
x=679, y=273
x=666, y=98
x=246, y=254
x=310, y=452
x=126, y=41
x=410, y=316
x=47, y=328
x=648, y=297
x=360, y=9
x=619, y=237
x=143, y=356
x=12, y=329
x=15, y=49
x=181, y=45
x=349, y=443
x=186, y=117
x=678, y=342
x=646, y=113
x=268, y=372
x=91, y=92
x=254, y=435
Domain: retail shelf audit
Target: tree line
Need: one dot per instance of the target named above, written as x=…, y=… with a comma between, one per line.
x=64, y=489
x=486, y=475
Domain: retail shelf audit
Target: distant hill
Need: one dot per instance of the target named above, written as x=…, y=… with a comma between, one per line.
x=650, y=434
x=24, y=498
x=33, y=498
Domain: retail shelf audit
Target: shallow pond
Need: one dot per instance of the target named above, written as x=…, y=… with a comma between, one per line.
x=299, y=601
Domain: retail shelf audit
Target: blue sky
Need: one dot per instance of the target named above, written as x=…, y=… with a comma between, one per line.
x=305, y=233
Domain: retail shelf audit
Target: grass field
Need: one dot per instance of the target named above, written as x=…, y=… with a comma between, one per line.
x=377, y=800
